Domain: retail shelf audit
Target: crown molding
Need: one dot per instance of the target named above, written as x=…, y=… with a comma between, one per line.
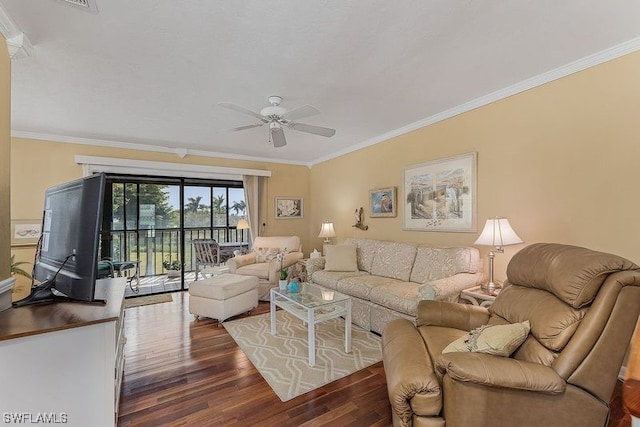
x=18, y=44
x=19, y=47
x=549, y=76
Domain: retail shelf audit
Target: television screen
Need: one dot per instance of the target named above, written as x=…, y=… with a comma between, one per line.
x=67, y=260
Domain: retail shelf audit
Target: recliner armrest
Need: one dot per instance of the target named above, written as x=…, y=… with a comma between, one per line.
x=497, y=371
x=451, y=315
x=238, y=261
x=408, y=368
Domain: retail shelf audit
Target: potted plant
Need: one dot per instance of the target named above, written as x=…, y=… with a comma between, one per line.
x=173, y=267
x=15, y=268
x=282, y=283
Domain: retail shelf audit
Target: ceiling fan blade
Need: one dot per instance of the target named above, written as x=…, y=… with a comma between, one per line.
x=245, y=127
x=277, y=137
x=316, y=130
x=300, y=112
x=243, y=110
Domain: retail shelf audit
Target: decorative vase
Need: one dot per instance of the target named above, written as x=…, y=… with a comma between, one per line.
x=294, y=287
x=282, y=284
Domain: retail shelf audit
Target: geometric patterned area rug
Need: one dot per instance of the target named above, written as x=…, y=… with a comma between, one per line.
x=283, y=360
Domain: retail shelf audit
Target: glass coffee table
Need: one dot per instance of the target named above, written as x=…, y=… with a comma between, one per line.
x=313, y=304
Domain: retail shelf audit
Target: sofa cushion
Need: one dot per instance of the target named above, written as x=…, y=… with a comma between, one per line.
x=571, y=273
x=394, y=260
x=265, y=254
x=367, y=249
x=340, y=258
x=396, y=295
x=330, y=279
x=437, y=263
x=499, y=340
x=361, y=286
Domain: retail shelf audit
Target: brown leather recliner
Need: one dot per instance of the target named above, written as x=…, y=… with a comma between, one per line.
x=582, y=306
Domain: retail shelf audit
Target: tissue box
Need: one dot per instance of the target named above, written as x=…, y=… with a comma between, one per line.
x=315, y=254
x=6, y=286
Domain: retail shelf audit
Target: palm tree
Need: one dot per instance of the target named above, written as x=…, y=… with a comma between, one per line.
x=239, y=206
x=217, y=204
x=193, y=204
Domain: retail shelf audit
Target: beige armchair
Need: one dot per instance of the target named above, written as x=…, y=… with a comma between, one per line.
x=582, y=307
x=262, y=262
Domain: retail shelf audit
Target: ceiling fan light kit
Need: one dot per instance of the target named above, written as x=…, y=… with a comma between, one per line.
x=278, y=117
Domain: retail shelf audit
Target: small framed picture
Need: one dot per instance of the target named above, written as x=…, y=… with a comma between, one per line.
x=289, y=207
x=25, y=232
x=382, y=202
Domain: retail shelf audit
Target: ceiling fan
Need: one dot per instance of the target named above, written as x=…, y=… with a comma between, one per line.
x=277, y=118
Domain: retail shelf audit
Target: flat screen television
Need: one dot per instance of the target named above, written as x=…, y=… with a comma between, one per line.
x=66, y=263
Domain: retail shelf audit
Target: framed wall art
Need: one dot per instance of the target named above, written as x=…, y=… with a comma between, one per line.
x=289, y=207
x=440, y=195
x=25, y=232
x=382, y=202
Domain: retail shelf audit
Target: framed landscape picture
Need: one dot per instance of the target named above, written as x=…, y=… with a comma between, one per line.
x=382, y=202
x=440, y=195
x=289, y=207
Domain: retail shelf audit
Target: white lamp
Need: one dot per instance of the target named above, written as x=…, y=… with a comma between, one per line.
x=243, y=224
x=327, y=231
x=497, y=233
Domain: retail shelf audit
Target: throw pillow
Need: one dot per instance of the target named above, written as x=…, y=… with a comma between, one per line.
x=499, y=340
x=266, y=254
x=340, y=258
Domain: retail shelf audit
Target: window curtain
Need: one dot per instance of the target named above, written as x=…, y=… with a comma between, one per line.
x=251, y=185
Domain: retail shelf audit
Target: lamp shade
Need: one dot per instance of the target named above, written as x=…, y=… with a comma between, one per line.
x=497, y=232
x=327, y=230
x=243, y=224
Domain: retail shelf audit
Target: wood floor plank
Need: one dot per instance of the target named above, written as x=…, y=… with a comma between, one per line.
x=183, y=372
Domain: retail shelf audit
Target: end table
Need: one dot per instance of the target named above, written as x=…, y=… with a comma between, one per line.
x=478, y=296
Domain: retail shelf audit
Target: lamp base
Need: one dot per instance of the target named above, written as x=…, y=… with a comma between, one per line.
x=491, y=288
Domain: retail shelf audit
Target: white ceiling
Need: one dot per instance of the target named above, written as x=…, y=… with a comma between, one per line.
x=152, y=72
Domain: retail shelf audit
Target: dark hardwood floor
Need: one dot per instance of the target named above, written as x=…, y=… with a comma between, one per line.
x=182, y=372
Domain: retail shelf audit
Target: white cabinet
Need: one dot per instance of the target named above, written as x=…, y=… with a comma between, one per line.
x=64, y=361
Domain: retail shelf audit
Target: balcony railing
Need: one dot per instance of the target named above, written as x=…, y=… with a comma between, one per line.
x=152, y=247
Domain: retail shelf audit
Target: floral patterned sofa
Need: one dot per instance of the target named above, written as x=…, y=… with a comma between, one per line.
x=391, y=277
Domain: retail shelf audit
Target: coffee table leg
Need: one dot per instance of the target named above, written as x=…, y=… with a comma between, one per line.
x=347, y=328
x=272, y=306
x=311, y=328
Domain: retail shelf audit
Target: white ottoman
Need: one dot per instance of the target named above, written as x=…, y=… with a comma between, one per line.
x=223, y=296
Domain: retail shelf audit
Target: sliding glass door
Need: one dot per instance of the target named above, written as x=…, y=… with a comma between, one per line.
x=150, y=223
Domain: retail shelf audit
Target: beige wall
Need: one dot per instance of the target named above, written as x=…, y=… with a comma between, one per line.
x=37, y=165
x=557, y=160
x=5, y=157
x=560, y=161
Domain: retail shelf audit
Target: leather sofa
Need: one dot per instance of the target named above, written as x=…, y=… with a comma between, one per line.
x=389, y=278
x=262, y=262
x=582, y=307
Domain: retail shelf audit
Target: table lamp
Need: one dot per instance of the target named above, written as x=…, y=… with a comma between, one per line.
x=497, y=233
x=243, y=224
x=327, y=232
